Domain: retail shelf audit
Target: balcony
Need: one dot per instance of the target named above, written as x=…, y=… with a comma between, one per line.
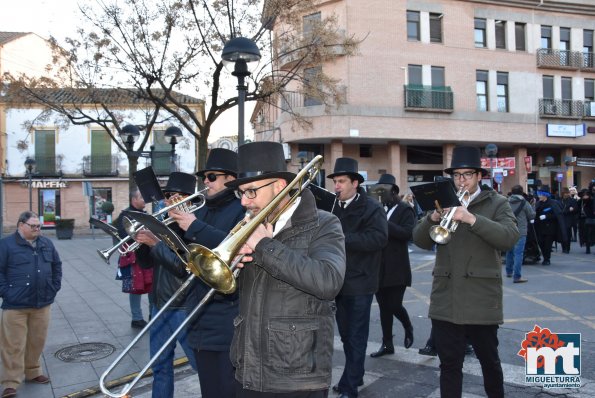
x=560, y=109
x=48, y=166
x=428, y=98
x=588, y=62
x=589, y=110
x=559, y=59
x=100, y=165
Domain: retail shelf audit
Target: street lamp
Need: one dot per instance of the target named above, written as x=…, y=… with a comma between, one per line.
x=243, y=53
x=491, y=150
x=171, y=135
x=29, y=165
x=129, y=134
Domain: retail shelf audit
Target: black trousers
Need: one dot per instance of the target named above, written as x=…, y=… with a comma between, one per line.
x=545, y=243
x=243, y=393
x=450, y=340
x=390, y=303
x=215, y=374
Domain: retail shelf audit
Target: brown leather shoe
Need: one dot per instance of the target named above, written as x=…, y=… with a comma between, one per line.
x=9, y=392
x=41, y=379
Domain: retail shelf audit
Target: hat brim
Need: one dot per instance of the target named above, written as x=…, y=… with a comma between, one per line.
x=201, y=173
x=286, y=175
x=451, y=170
x=357, y=176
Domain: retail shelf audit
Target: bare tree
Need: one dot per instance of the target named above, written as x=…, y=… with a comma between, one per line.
x=159, y=47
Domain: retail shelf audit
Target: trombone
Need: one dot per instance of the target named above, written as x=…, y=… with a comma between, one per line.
x=216, y=267
x=131, y=227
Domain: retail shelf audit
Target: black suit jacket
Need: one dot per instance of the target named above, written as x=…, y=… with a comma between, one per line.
x=395, y=268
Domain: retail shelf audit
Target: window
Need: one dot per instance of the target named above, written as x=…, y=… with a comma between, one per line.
x=502, y=91
x=435, y=28
x=100, y=196
x=365, y=151
x=567, y=96
x=549, y=106
x=45, y=151
x=310, y=22
x=101, y=152
x=546, y=37
x=501, y=34
x=564, y=46
x=311, y=77
x=49, y=205
x=160, y=160
x=438, y=76
x=481, y=89
x=589, y=89
x=414, y=75
x=519, y=36
x=480, y=33
x=588, y=48
x=413, y=25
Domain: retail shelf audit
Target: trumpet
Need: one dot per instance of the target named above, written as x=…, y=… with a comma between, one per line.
x=217, y=267
x=127, y=244
x=442, y=233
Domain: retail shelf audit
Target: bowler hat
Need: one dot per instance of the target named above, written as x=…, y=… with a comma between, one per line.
x=390, y=180
x=221, y=159
x=466, y=157
x=259, y=161
x=181, y=183
x=346, y=166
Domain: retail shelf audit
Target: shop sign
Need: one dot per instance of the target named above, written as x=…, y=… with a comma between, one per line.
x=503, y=163
x=565, y=130
x=56, y=184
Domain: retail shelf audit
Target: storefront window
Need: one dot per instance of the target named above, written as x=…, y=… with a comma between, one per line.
x=49, y=206
x=100, y=196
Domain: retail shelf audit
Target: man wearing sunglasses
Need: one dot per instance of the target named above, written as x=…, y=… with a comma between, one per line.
x=210, y=333
x=30, y=277
x=466, y=298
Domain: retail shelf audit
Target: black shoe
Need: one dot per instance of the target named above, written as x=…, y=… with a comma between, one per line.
x=520, y=280
x=545, y=262
x=139, y=324
x=385, y=348
x=428, y=350
x=469, y=349
x=336, y=386
x=408, y=337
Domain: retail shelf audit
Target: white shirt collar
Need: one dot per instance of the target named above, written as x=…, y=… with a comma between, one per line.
x=284, y=218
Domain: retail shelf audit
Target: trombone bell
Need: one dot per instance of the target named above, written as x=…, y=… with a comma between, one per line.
x=209, y=266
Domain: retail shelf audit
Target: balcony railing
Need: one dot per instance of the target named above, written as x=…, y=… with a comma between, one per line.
x=588, y=62
x=589, y=110
x=559, y=59
x=100, y=165
x=47, y=166
x=428, y=98
x=559, y=108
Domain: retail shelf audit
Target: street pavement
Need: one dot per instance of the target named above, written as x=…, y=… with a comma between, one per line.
x=91, y=317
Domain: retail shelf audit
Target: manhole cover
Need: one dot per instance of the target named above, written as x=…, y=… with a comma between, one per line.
x=85, y=352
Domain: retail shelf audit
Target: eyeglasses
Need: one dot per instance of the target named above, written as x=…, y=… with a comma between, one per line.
x=466, y=175
x=33, y=226
x=212, y=176
x=251, y=193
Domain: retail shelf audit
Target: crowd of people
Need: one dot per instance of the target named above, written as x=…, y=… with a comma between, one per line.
x=299, y=271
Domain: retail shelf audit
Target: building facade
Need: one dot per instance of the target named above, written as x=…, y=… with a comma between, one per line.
x=430, y=75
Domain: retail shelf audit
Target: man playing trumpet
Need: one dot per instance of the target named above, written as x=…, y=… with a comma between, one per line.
x=291, y=273
x=466, y=298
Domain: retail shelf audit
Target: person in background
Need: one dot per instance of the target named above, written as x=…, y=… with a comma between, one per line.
x=524, y=214
x=570, y=212
x=290, y=275
x=30, y=278
x=395, y=269
x=549, y=223
x=586, y=219
x=366, y=233
x=136, y=280
x=574, y=225
x=466, y=298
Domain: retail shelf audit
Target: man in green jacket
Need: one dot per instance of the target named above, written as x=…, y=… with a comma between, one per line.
x=466, y=298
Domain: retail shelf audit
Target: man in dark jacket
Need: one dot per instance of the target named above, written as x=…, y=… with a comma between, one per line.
x=549, y=223
x=30, y=277
x=395, y=269
x=210, y=333
x=570, y=211
x=292, y=271
x=466, y=298
x=366, y=232
x=524, y=213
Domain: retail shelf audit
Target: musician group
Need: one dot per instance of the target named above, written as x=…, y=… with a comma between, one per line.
x=298, y=264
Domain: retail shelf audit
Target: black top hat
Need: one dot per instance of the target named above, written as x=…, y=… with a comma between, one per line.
x=259, y=161
x=221, y=159
x=390, y=180
x=466, y=157
x=346, y=166
x=181, y=183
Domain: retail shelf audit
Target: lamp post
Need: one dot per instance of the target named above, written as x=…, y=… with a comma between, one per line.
x=171, y=135
x=243, y=53
x=491, y=151
x=29, y=165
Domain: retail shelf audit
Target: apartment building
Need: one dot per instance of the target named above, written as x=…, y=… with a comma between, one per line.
x=433, y=74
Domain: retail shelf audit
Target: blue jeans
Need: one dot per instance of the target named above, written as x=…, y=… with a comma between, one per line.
x=353, y=322
x=163, y=367
x=135, y=308
x=514, y=258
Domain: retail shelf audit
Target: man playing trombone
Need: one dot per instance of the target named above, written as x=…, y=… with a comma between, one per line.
x=291, y=272
x=466, y=298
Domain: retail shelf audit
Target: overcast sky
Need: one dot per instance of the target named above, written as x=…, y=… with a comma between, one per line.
x=60, y=18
